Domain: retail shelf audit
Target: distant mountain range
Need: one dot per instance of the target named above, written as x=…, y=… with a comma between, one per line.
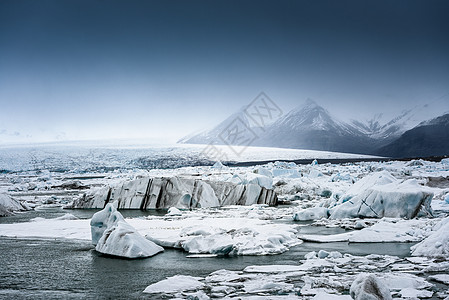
x=429, y=138
x=413, y=133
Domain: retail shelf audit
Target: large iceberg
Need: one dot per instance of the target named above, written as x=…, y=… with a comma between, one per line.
x=112, y=235
x=181, y=192
x=381, y=195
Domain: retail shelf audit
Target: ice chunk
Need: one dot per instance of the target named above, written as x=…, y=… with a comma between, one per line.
x=443, y=278
x=264, y=172
x=173, y=211
x=252, y=178
x=437, y=244
x=112, y=235
x=175, y=284
x=369, y=287
x=396, y=200
x=219, y=166
x=310, y=255
x=124, y=241
x=8, y=205
x=323, y=254
x=374, y=179
x=67, y=217
x=102, y=220
x=312, y=213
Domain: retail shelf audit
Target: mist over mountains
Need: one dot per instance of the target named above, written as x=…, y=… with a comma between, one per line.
x=418, y=131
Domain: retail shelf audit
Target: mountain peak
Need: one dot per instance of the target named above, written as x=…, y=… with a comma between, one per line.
x=310, y=102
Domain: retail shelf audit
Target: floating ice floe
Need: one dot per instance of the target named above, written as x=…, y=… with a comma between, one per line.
x=331, y=278
x=437, y=244
x=223, y=236
x=175, y=284
x=312, y=213
x=112, y=235
x=384, y=231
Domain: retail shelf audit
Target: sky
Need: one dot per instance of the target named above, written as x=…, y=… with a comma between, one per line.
x=96, y=69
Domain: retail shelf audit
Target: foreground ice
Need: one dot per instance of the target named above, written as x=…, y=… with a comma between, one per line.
x=311, y=191
x=226, y=233
x=369, y=277
x=112, y=235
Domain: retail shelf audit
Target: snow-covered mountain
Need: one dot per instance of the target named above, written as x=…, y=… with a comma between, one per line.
x=310, y=126
x=217, y=134
x=381, y=128
x=429, y=138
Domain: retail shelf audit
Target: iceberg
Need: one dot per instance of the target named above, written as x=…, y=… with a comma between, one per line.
x=8, y=205
x=397, y=199
x=112, y=235
x=182, y=192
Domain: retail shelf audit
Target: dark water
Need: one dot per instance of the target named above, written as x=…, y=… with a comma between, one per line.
x=65, y=269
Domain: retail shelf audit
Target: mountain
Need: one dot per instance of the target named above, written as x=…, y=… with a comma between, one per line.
x=429, y=138
x=217, y=135
x=386, y=130
x=312, y=127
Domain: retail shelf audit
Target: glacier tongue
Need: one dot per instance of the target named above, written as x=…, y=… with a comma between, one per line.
x=183, y=192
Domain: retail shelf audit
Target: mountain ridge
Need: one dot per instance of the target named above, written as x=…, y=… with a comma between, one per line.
x=311, y=126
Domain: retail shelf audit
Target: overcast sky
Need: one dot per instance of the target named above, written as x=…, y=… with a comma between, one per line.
x=131, y=69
